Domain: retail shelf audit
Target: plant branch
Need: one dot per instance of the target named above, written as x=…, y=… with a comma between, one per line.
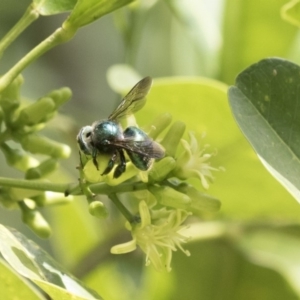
x=29, y=16
x=38, y=185
x=59, y=36
x=71, y=188
x=103, y=188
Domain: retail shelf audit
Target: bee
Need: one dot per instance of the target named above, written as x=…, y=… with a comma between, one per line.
x=108, y=137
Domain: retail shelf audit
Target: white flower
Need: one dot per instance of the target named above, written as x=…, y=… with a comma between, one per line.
x=157, y=238
x=194, y=162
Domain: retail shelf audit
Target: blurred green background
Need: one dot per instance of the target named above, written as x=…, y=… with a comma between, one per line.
x=193, y=49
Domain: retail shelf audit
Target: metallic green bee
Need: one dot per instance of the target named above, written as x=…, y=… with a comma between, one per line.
x=108, y=137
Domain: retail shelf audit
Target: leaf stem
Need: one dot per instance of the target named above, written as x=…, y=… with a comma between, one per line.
x=83, y=186
x=29, y=16
x=61, y=35
x=125, y=212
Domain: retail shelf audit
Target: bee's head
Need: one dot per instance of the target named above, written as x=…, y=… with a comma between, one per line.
x=84, y=140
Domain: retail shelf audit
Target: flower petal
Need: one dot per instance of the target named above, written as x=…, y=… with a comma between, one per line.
x=124, y=248
x=144, y=214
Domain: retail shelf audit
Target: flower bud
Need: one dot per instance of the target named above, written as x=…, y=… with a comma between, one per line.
x=161, y=169
x=51, y=198
x=9, y=106
x=170, y=197
x=35, y=221
x=6, y=198
x=200, y=202
x=42, y=145
x=172, y=138
x=39, y=199
x=60, y=96
x=42, y=170
x=130, y=172
x=97, y=209
x=91, y=173
x=36, y=112
x=19, y=193
x=18, y=158
x=159, y=125
x=10, y=98
x=12, y=91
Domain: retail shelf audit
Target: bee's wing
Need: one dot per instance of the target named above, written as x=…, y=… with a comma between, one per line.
x=134, y=100
x=147, y=147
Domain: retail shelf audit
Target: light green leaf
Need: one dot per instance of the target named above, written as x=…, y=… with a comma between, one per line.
x=51, y=7
x=13, y=286
x=265, y=102
x=121, y=78
x=196, y=41
x=32, y=262
x=87, y=11
x=291, y=12
x=252, y=31
x=202, y=104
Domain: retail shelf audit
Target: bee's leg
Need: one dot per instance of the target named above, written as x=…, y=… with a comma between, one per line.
x=80, y=158
x=94, y=156
x=121, y=168
x=111, y=163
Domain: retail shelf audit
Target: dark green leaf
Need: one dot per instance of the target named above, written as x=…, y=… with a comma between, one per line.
x=266, y=105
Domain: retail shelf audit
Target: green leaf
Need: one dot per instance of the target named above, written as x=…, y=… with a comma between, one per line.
x=195, y=39
x=121, y=78
x=291, y=12
x=202, y=104
x=252, y=31
x=87, y=11
x=13, y=286
x=51, y=7
x=221, y=271
x=265, y=104
x=274, y=250
x=32, y=262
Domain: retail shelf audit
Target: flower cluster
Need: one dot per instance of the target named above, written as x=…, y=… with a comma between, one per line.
x=20, y=122
x=157, y=236
x=157, y=226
